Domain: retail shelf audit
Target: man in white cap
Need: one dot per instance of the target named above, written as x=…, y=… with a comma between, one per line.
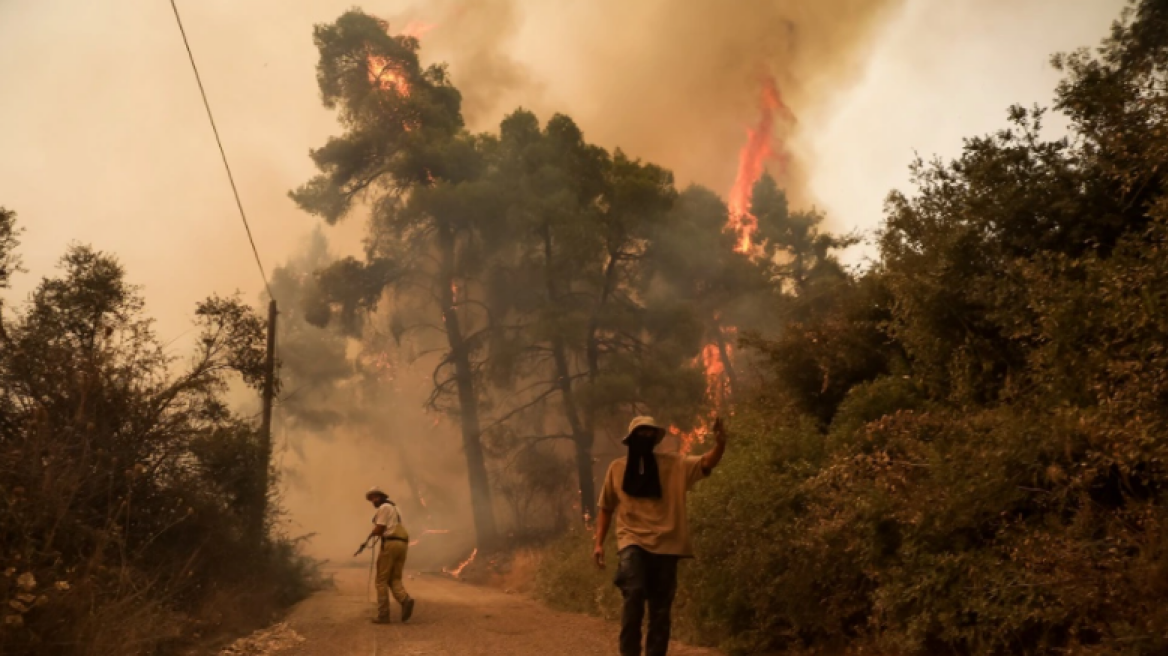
x=395, y=543
x=646, y=491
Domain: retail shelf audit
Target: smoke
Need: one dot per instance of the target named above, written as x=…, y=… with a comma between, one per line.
x=121, y=156
x=351, y=415
x=477, y=38
x=674, y=84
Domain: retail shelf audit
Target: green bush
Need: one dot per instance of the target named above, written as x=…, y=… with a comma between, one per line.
x=756, y=581
x=567, y=580
x=131, y=500
x=963, y=450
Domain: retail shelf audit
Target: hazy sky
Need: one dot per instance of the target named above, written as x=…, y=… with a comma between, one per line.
x=103, y=139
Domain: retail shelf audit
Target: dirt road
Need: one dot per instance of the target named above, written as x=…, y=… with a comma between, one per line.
x=451, y=619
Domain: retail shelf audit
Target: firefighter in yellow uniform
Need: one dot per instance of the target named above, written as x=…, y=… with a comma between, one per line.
x=395, y=543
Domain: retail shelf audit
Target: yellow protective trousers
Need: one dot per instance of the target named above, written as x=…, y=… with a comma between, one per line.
x=390, y=564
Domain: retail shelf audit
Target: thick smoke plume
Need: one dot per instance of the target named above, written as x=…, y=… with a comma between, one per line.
x=674, y=83
x=352, y=415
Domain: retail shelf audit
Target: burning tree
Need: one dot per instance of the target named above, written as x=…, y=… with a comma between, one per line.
x=591, y=345
x=570, y=285
x=405, y=152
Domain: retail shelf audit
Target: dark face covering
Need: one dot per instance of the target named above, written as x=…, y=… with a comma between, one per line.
x=642, y=479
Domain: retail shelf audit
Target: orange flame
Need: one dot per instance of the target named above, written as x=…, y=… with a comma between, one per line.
x=386, y=74
x=457, y=571
x=429, y=531
x=717, y=391
x=758, y=148
x=717, y=386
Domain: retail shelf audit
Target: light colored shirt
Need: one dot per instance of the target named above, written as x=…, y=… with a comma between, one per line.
x=388, y=516
x=658, y=526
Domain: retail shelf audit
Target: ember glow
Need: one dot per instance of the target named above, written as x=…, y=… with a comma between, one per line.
x=687, y=440
x=457, y=571
x=717, y=384
x=386, y=74
x=759, y=147
x=717, y=389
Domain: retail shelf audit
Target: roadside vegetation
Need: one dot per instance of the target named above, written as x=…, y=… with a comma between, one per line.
x=956, y=449
x=128, y=490
x=961, y=449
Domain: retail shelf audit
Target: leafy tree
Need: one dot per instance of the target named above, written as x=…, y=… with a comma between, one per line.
x=9, y=263
x=992, y=481
x=124, y=475
x=591, y=344
x=315, y=365
x=405, y=151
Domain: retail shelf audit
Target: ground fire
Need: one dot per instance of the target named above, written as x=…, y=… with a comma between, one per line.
x=456, y=572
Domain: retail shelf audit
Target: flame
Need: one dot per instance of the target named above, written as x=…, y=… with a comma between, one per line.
x=685, y=440
x=759, y=147
x=429, y=531
x=457, y=571
x=386, y=74
x=717, y=383
x=717, y=389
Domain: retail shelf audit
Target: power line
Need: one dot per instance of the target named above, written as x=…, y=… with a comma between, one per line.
x=222, y=153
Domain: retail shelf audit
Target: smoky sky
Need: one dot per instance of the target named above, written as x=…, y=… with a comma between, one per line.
x=672, y=83
x=103, y=137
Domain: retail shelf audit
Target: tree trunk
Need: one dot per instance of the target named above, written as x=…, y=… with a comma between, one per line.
x=581, y=437
x=476, y=468
x=592, y=350
x=592, y=347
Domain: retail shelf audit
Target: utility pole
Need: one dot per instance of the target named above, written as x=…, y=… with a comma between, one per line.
x=266, y=425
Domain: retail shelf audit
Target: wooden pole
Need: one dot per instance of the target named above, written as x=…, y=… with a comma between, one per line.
x=266, y=424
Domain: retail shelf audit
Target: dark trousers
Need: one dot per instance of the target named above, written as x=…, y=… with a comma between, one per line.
x=646, y=579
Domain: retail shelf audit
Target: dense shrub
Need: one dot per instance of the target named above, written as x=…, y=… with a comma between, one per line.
x=129, y=494
x=565, y=581
x=963, y=451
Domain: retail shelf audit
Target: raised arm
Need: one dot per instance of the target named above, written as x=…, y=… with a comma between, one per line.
x=714, y=456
